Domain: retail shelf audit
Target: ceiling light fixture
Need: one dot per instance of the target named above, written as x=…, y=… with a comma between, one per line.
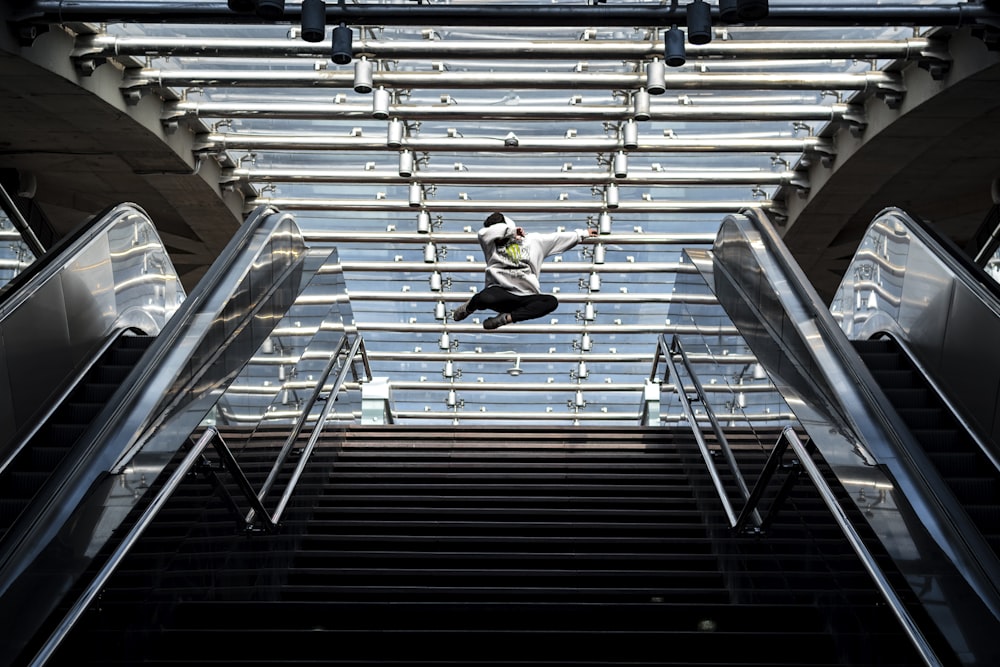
x=341, y=50
x=363, y=76
x=611, y=195
x=405, y=163
x=604, y=223
x=655, y=81
x=630, y=134
x=380, y=104
x=699, y=22
x=620, y=164
x=640, y=105
x=674, y=47
x=729, y=11
x=313, y=20
x=270, y=10
x=424, y=224
x=394, y=133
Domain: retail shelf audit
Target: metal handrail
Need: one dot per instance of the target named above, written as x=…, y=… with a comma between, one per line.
x=318, y=426
x=669, y=352
x=298, y=427
x=917, y=638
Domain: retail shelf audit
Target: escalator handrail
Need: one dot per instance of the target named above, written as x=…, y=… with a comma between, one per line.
x=967, y=543
x=61, y=254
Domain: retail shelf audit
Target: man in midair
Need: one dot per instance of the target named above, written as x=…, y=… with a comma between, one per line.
x=513, y=263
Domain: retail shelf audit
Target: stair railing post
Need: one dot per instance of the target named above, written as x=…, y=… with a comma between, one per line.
x=651, y=403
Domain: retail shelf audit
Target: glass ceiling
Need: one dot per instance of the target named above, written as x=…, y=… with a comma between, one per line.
x=558, y=128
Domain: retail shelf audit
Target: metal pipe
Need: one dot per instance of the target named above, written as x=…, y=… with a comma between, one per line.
x=104, y=45
x=594, y=387
x=522, y=417
x=491, y=175
x=512, y=207
x=583, y=297
x=576, y=328
x=535, y=112
x=494, y=14
x=221, y=141
x=550, y=329
x=303, y=78
x=532, y=357
x=470, y=238
x=561, y=267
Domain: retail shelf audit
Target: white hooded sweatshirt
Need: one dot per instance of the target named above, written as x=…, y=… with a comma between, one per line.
x=514, y=263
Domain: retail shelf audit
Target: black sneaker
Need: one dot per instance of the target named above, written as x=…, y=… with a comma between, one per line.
x=497, y=321
x=461, y=312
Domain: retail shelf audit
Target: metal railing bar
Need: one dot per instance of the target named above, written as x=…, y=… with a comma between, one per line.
x=105, y=45
x=293, y=436
x=882, y=583
x=706, y=455
x=676, y=348
x=317, y=428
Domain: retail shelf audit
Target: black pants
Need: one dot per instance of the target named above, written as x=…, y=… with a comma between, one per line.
x=520, y=306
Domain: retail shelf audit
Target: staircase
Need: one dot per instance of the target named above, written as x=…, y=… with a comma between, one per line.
x=411, y=545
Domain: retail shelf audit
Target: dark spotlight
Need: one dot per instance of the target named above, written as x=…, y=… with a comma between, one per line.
x=342, y=51
x=242, y=5
x=313, y=20
x=270, y=10
x=699, y=22
x=674, y=47
x=728, y=11
x=751, y=10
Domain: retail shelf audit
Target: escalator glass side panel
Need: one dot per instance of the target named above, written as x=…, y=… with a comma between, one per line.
x=112, y=274
x=903, y=281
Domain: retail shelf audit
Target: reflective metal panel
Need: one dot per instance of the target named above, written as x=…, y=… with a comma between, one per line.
x=904, y=282
x=115, y=274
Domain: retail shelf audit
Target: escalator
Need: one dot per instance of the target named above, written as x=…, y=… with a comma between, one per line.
x=895, y=385
x=970, y=475
x=54, y=440
x=109, y=367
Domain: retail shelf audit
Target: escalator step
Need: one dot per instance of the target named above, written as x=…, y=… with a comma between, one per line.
x=908, y=397
x=901, y=379
x=925, y=417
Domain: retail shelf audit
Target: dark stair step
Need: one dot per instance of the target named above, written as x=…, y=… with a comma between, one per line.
x=547, y=555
